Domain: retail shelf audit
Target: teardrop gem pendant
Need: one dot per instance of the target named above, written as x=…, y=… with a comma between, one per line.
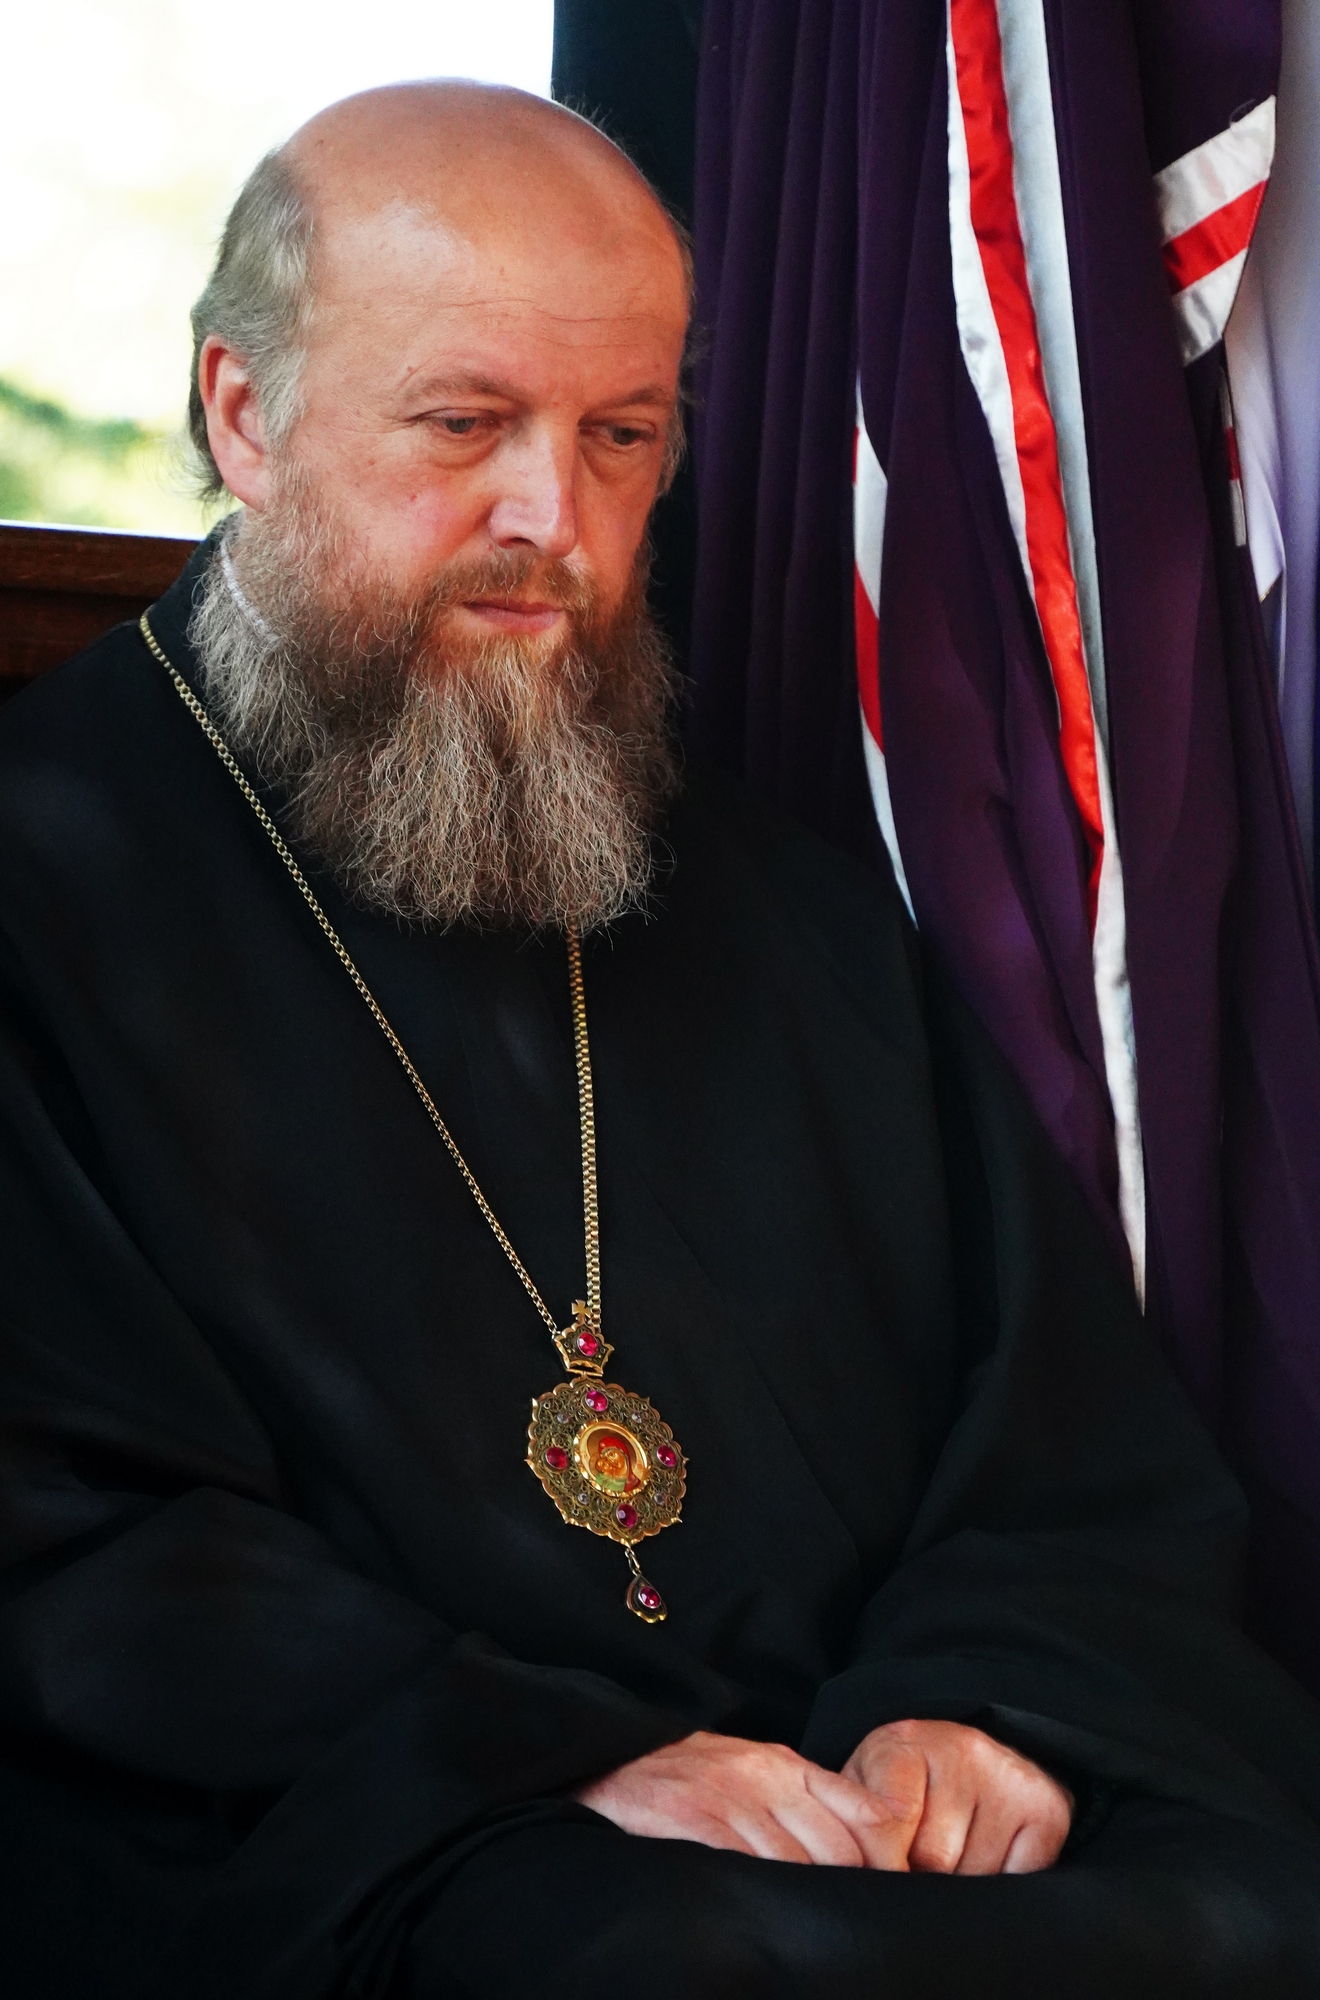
x=643, y=1599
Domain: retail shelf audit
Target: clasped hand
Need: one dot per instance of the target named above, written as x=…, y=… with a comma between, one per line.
x=934, y=1796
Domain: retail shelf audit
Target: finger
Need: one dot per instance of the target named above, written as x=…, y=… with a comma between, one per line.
x=882, y=1830
x=990, y=1834
x=1005, y=1821
x=649, y=1819
x=913, y=1787
x=1034, y=1846
x=938, y=1844
x=828, y=1841
x=786, y=1833
x=896, y=1771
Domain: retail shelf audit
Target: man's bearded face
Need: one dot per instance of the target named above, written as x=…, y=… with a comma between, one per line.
x=443, y=775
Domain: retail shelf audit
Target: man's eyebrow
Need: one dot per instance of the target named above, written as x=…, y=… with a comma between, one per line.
x=459, y=385
x=650, y=393
x=431, y=387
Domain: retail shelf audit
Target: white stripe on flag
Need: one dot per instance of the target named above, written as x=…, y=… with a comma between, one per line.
x=1039, y=193
x=1202, y=309
x=978, y=330
x=877, y=772
x=1216, y=172
x=870, y=495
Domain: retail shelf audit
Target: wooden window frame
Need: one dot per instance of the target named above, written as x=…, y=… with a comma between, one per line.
x=62, y=588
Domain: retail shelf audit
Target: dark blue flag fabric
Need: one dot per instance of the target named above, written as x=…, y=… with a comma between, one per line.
x=973, y=592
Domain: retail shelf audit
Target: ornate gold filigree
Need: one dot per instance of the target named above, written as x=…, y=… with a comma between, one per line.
x=626, y=1493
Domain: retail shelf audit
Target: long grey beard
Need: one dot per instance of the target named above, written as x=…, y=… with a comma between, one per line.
x=503, y=791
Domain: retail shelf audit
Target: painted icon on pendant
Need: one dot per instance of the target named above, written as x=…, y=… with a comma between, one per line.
x=612, y=1459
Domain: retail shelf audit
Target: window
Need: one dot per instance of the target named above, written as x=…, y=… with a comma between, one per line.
x=128, y=128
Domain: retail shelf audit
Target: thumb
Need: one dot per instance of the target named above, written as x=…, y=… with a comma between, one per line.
x=884, y=1824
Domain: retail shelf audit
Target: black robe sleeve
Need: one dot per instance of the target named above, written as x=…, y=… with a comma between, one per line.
x=1070, y=1582
x=177, y=1641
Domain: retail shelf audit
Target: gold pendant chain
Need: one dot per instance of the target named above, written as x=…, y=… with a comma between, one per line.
x=587, y=1121
x=582, y=1053
x=605, y=1457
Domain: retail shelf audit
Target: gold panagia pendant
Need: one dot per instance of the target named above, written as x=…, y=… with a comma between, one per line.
x=608, y=1460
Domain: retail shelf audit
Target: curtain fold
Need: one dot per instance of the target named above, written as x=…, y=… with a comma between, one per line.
x=972, y=598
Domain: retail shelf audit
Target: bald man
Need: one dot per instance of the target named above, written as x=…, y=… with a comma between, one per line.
x=430, y=1126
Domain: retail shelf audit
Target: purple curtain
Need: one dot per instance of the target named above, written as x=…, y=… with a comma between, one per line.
x=824, y=262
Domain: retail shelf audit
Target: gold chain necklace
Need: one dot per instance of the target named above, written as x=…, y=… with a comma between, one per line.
x=607, y=1459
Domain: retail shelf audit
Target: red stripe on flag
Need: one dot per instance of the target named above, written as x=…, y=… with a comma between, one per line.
x=978, y=59
x=868, y=658
x=1221, y=235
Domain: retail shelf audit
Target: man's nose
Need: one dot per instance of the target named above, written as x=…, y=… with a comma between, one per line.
x=536, y=507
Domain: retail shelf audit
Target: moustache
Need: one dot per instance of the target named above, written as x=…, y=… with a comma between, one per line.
x=504, y=577
x=417, y=619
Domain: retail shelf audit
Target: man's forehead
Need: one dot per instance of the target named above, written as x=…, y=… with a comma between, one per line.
x=541, y=270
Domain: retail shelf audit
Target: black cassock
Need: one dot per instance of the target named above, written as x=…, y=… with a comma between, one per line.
x=297, y=1660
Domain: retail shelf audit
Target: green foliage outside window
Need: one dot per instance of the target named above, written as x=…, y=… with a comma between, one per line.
x=107, y=473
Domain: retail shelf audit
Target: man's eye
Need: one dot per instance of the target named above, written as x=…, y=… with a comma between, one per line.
x=625, y=434
x=459, y=427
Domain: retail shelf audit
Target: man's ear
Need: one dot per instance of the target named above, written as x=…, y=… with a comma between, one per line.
x=233, y=422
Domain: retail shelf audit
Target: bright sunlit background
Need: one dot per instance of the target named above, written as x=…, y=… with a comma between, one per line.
x=126, y=129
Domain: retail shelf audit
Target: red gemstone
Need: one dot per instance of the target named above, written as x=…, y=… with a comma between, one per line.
x=588, y=1344
x=645, y=1600
x=556, y=1457
x=625, y=1515
x=597, y=1400
x=666, y=1455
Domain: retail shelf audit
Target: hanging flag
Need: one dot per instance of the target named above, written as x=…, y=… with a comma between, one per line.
x=939, y=285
